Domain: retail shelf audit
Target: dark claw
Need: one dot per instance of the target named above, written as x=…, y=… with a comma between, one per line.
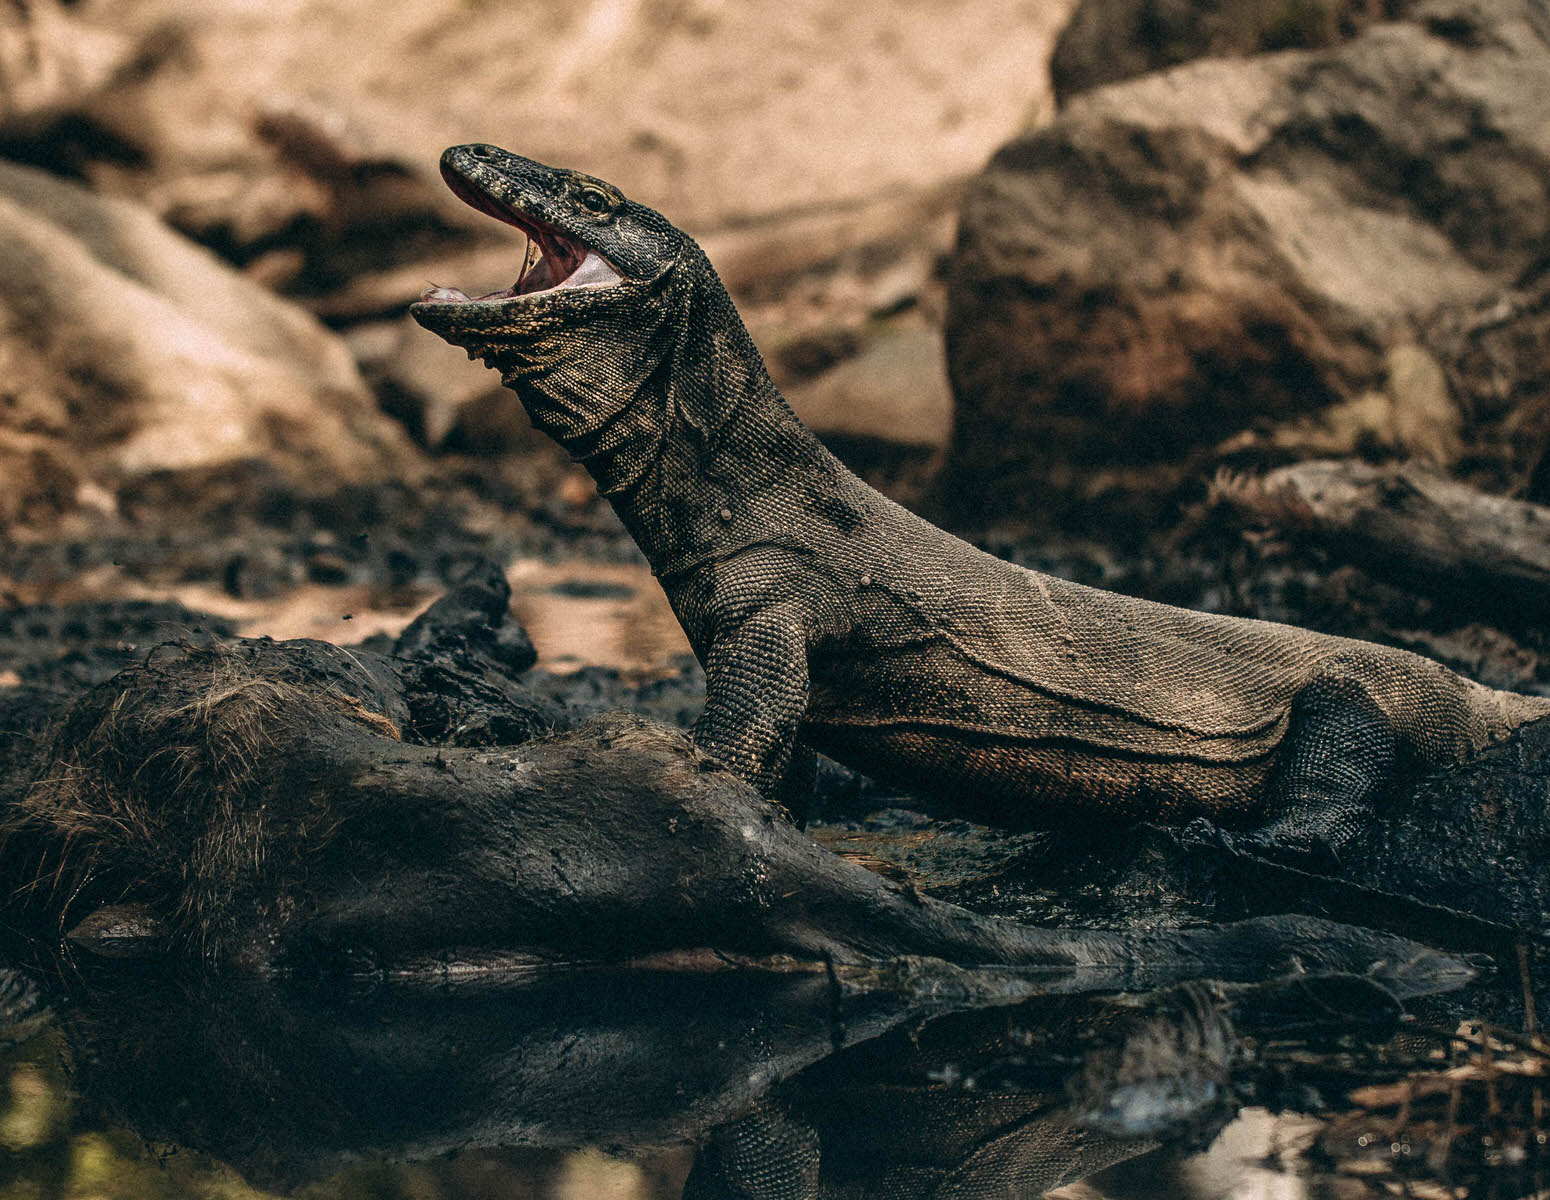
x=1304, y=853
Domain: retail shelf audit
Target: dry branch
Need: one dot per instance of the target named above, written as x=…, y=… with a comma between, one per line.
x=1405, y=520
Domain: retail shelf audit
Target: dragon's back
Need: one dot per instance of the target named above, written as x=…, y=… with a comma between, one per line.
x=1026, y=635
x=952, y=645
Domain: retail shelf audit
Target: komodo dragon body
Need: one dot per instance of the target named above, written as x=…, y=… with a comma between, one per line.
x=830, y=617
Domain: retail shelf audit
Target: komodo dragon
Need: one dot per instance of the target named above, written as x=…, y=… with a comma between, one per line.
x=827, y=615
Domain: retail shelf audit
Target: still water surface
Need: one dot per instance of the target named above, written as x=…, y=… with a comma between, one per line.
x=136, y=1085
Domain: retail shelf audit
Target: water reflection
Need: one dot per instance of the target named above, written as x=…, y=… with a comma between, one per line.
x=781, y=1084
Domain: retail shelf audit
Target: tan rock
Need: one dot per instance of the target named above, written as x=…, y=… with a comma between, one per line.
x=434, y=389
x=1427, y=422
x=51, y=60
x=127, y=350
x=894, y=390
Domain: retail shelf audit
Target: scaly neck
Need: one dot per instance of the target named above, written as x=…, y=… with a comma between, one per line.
x=707, y=458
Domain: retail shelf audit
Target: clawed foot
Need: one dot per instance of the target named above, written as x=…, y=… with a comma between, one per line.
x=1303, y=852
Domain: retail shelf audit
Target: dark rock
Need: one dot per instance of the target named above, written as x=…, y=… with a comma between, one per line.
x=1253, y=261
x=1468, y=838
x=674, y=697
x=472, y=620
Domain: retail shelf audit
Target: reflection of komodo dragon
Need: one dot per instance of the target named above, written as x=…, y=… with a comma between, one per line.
x=826, y=613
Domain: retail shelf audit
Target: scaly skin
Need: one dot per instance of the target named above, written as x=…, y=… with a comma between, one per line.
x=829, y=617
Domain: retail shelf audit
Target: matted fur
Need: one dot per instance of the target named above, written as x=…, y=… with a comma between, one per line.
x=155, y=791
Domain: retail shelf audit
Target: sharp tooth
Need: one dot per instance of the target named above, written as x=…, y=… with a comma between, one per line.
x=536, y=280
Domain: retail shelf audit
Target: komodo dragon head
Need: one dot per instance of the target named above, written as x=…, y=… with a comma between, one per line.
x=593, y=315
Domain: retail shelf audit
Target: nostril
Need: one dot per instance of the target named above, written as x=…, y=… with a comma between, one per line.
x=482, y=153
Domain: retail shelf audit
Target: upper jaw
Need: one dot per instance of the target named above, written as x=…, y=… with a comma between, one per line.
x=564, y=262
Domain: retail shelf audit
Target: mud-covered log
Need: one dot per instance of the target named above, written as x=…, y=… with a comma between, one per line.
x=1407, y=521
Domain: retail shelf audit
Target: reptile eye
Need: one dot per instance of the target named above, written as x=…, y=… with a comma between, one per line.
x=595, y=201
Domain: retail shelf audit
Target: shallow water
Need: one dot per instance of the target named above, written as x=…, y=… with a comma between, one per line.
x=611, y=1086
x=56, y=1141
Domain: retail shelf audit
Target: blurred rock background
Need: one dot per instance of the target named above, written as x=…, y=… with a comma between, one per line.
x=816, y=149
x=215, y=217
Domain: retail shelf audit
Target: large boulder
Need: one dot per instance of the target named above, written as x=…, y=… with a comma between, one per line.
x=1307, y=253
x=1107, y=41
x=127, y=351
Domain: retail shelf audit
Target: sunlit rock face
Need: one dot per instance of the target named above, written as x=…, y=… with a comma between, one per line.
x=129, y=351
x=1264, y=258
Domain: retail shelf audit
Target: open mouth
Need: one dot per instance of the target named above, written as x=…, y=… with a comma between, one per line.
x=553, y=260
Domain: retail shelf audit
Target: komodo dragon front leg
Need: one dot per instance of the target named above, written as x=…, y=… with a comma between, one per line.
x=756, y=686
